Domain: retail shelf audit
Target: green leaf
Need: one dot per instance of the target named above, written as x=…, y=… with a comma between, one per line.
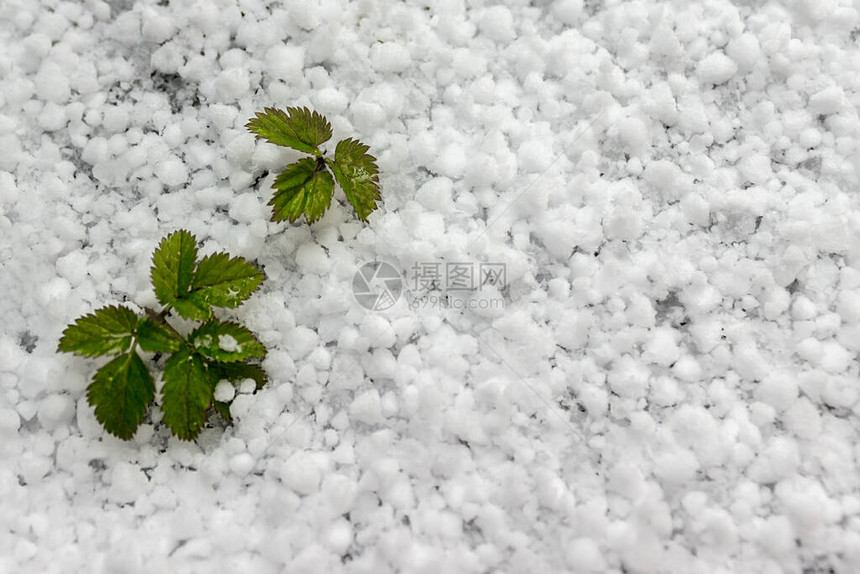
x=186, y=394
x=108, y=331
x=173, y=266
x=121, y=391
x=303, y=188
x=156, y=338
x=236, y=373
x=223, y=409
x=226, y=281
x=357, y=173
x=220, y=281
x=225, y=342
x=193, y=306
x=298, y=128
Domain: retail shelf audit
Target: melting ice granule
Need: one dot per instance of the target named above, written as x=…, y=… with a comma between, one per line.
x=228, y=343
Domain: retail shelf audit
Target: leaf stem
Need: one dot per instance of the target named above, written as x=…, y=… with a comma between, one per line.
x=321, y=163
x=161, y=319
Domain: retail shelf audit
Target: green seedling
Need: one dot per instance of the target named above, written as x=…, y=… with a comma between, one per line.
x=122, y=390
x=306, y=187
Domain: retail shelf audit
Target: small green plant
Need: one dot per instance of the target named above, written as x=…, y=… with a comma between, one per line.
x=122, y=390
x=306, y=187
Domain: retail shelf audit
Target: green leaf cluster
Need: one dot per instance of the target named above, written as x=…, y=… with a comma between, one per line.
x=306, y=187
x=122, y=390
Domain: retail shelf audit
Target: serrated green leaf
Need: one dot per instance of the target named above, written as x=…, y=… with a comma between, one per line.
x=186, y=394
x=193, y=306
x=226, y=281
x=298, y=128
x=223, y=409
x=225, y=342
x=108, y=331
x=173, y=266
x=357, y=173
x=302, y=188
x=219, y=281
x=157, y=338
x=236, y=373
x=121, y=392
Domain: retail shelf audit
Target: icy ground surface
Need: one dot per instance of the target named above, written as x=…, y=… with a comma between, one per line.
x=670, y=386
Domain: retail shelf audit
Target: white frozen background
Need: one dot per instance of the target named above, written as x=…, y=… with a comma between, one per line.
x=672, y=385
